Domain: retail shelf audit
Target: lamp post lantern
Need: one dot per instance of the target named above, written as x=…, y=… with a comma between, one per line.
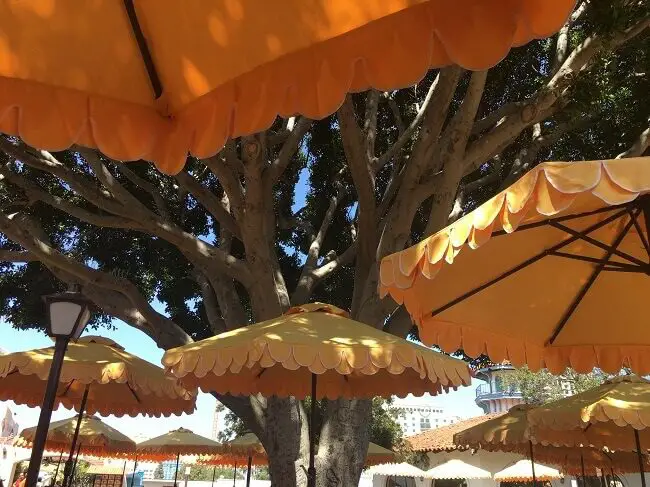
x=68, y=314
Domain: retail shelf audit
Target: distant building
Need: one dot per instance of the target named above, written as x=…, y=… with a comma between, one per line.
x=8, y=427
x=169, y=468
x=416, y=417
x=496, y=396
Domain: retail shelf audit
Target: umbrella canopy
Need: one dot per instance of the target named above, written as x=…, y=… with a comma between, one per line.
x=570, y=460
x=397, y=470
x=120, y=383
x=457, y=469
x=278, y=357
x=175, y=443
x=547, y=295
x=597, y=416
x=512, y=432
x=378, y=454
x=155, y=79
x=507, y=432
x=522, y=471
x=96, y=438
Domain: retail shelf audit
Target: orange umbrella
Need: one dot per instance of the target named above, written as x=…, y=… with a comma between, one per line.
x=566, y=289
x=318, y=344
x=95, y=438
x=154, y=79
x=174, y=444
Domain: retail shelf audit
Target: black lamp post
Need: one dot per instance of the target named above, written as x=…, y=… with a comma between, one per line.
x=68, y=314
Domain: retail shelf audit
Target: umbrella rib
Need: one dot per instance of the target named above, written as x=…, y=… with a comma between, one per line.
x=585, y=288
x=133, y=393
x=597, y=243
x=67, y=388
x=593, y=260
x=527, y=262
x=639, y=231
x=529, y=226
x=145, y=53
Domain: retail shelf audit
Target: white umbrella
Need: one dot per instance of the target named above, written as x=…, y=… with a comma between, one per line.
x=457, y=469
x=397, y=470
x=522, y=472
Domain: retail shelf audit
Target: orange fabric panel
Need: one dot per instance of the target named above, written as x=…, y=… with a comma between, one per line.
x=72, y=73
x=514, y=318
x=278, y=357
x=114, y=378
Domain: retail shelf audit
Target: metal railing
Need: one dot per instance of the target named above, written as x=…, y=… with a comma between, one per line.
x=487, y=390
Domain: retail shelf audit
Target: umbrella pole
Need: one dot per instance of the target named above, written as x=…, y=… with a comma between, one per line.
x=582, y=467
x=214, y=474
x=311, y=471
x=234, y=475
x=532, y=462
x=178, y=457
x=75, y=437
x=248, y=472
x=56, y=472
x=40, y=437
x=123, y=473
x=74, y=467
x=135, y=466
x=640, y=455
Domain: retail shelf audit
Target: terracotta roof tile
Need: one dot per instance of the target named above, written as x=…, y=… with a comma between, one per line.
x=442, y=439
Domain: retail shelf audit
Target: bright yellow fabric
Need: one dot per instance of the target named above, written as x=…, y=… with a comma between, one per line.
x=569, y=462
x=512, y=432
x=96, y=438
x=514, y=319
x=177, y=442
x=72, y=73
x=522, y=471
x=603, y=416
x=120, y=383
x=278, y=356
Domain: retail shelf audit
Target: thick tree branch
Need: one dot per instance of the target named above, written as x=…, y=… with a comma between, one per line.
x=297, y=132
x=445, y=81
x=210, y=201
x=112, y=184
x=34, y=193
x=639, y=146
x=541, y=105
x=370, y=123
x=308, y=279
x=146, y=186
x=364, y=182
x=45, y=162
x=16, y=256
x=54, y=259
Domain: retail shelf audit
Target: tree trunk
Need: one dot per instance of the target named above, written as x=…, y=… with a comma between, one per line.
x=286, y=441
x=343, y=442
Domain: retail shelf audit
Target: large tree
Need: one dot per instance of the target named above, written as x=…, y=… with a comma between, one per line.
x=222, y=244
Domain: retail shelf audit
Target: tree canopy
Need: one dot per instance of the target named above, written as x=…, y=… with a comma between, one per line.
x=305, y=210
